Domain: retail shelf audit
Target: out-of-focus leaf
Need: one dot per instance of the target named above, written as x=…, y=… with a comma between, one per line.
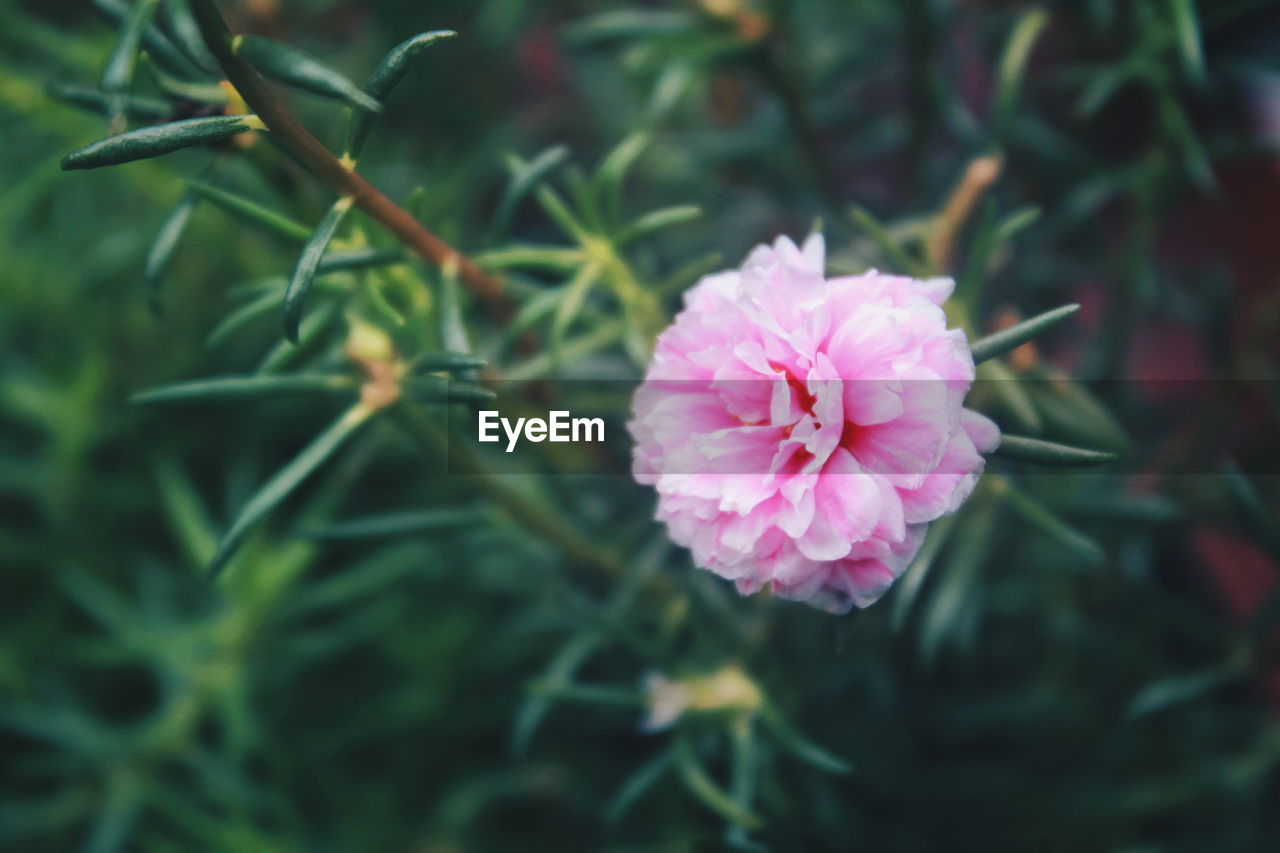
x=300, y=70
x=385, y=76
x=1003, y=341
x=955, y=605
x=1181, y=689
x=304, y=272
x=553, y=258
x=560, y=671
x=524, y=177
x=790, y=739
x=136, y=106
x=880, y=235
x=657, y=220
x=1009, y=390
x=175, y=16
x=163, y=246
x=572, y=297
x=1012, y=68
x=630, y=24
x=638, y=784
x=607, y=182
x=908, y=587
x=398, y=524
x=286, y=480
x=447, y=361
x=1187, y=26
x=359, y=259
x=158, y=139
x=437, y=389
x=1049, y=523
x=246, y=388
x=969, y=287
x=253, y=211
x=701, y=785
x=117, y=76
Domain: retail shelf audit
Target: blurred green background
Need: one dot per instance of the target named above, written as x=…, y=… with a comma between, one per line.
x=1099, y=676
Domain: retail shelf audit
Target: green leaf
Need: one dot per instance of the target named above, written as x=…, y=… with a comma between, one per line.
x=790, y=739
x=1039, y=452
x=246, y=313
x=253, y=211
x=398, y=524
x=304, y=272
x=159, y=139
x=607, y=182
x=286, y=480
x=524, y=177
x=1181, y=689
x=1010, y=391
x=907, y=589
x=880, y=235
x=572, y=296
x=360, y=259
x=1003, y=341
x=955, y=606
x=707, y=791
x=656, y=221
x=175, y=16
x=300, y=70
x=161, y=50
x=554, y=258
x=448, y=361
x=631, y=24
x=148, y=109
x=561, y=670
x=1048, y=522
x=1015, y=223
x=383, y=79
x=117, y=76
x=245, y=388
x=1253, y=511
x=1012, y=68
x=638, y=784
x=1187, y=26
x=453, y=330
x=438, y=389
x=559, y=211
x=163, y=246
x=969, y=287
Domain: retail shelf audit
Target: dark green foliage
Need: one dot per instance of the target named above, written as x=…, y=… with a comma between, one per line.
x=401, y=655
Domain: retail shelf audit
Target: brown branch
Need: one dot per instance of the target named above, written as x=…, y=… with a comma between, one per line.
x=345, y=181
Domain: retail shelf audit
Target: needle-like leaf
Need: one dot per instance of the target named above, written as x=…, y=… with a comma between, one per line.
x=1039, y=452
x=304, y=272
x=253, y=211
x=245, y=387
x=1015, y=336
x=300, y=70
x=383, y=79
x=163, y=246
x=160, y=139
x=286, y=480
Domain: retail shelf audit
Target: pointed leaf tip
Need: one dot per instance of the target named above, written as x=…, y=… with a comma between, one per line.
x=160, y=139
x=1039, y=452
x=304, y=273
x=1015, y=336
x=301, y=70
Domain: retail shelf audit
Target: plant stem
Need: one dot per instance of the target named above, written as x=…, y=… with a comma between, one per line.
x=345, y=181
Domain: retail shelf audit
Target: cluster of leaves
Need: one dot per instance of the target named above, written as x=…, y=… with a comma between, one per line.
x=358, y=676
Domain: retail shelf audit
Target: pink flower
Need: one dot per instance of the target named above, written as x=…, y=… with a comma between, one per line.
x=802, y=431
